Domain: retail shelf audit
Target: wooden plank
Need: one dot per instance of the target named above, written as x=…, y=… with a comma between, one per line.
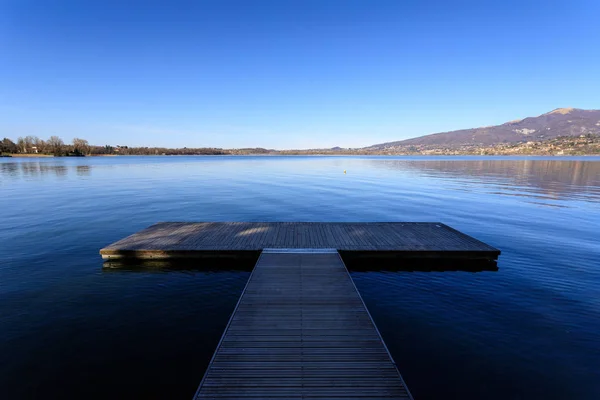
x=264, y=233
x=301, y=330
x=329, y=235
x=172, y=240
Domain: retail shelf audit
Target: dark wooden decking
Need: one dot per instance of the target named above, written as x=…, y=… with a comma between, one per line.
x=301, y=330
x=410, y=239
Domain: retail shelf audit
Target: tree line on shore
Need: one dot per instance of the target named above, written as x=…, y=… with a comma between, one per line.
x=563, y=145
x=55, y=146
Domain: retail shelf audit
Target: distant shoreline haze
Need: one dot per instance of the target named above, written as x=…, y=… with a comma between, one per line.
x=563, y=131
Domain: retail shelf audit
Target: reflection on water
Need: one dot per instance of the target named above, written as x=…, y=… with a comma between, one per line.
x=83, y=170
x=30, y=169
x=205, y=264
x=390, y=263
x=352, y=260
x=538, y=179
x=541, y=179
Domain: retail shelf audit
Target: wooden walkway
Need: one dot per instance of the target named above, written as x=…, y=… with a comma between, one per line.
x=411, y=239
x=301, y=330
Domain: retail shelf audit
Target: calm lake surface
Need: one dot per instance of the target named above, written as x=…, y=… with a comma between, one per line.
x=71, y=328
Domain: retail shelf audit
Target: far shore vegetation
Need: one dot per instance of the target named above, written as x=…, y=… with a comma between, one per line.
x=32, y=146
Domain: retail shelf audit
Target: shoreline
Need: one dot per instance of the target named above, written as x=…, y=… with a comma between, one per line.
x=308, y=155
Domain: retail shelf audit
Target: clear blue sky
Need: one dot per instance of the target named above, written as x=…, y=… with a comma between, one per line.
x=289, y=74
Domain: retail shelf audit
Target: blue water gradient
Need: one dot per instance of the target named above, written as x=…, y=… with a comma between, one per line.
x=72, y=328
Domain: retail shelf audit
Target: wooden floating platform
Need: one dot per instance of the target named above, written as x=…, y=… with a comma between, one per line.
x=301, y=330
x=168, y=240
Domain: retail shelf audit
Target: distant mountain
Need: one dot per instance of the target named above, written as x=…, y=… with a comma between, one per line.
x=559, y=122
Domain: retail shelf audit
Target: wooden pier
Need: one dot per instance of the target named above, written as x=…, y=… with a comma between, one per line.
x=301, y=330
x=167, y=240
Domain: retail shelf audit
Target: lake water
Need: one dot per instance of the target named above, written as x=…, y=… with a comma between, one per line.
x=71, y=328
